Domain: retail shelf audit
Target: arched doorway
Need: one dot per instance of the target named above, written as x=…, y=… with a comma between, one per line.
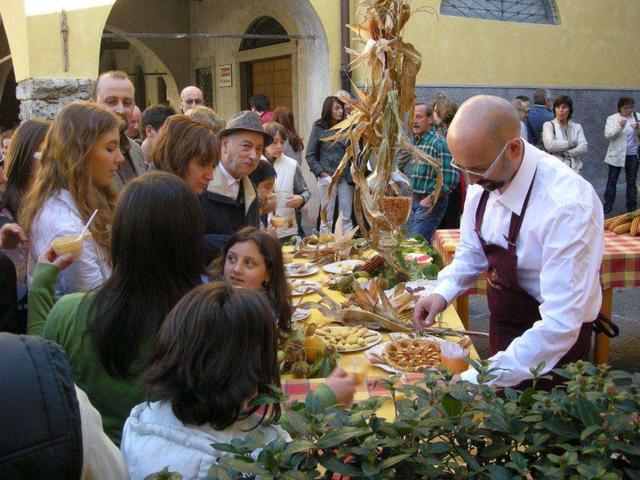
x=272, y=76
x=152, y=78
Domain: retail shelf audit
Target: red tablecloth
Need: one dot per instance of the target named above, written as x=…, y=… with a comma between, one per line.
x=620, y=263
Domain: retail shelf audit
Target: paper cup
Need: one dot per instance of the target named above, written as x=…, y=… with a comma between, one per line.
x=357, y=366
x=68, y=244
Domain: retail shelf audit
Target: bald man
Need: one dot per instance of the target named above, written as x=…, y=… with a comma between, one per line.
x=133, y=131
x=536, y=227
x=190, y=97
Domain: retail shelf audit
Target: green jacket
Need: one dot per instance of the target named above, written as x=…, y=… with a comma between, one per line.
x=66, y=323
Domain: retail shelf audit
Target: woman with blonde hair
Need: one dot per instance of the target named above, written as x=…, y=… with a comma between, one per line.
x=188, y=149
x=80, y=156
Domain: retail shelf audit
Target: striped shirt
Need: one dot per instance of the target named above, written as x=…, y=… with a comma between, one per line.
x=423, y=176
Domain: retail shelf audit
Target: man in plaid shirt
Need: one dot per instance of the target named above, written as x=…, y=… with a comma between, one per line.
x=423, y=177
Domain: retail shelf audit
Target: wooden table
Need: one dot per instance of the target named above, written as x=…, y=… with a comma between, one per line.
x=297, y=389
x=620, y=269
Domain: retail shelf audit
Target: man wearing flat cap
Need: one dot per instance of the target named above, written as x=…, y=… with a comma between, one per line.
x=231, y=201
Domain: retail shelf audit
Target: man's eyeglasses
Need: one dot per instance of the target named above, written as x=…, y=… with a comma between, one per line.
x=483, y=173
x=195, y=101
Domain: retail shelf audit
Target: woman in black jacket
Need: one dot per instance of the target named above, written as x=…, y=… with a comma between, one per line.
x=323, y=158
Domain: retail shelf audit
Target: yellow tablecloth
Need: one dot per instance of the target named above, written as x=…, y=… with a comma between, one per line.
x=297, y=389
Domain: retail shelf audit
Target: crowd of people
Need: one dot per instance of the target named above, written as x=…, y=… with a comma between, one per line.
x=169, y=308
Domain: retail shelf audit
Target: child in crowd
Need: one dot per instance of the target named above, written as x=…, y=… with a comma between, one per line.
x=264, y=178
x=253, y=259
x=291, y=189
x=216, y=351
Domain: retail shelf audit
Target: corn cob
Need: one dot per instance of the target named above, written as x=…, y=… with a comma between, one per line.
x=635, y=226
x=619, y=221
x=624, y=228
x=609, y=221
x=372, y=264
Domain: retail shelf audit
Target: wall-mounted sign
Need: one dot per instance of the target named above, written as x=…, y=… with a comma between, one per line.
x=225, y=78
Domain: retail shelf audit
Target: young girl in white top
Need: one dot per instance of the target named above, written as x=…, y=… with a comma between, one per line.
x=214, y=353
x=80, y=155
x=292, y=192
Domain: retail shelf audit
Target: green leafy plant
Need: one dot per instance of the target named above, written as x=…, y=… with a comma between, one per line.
x=588, y=429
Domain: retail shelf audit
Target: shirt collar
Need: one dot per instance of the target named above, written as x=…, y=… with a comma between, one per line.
x=513, y=197
x=227, y=176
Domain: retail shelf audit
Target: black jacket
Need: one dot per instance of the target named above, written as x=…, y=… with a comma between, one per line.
x=223, y=216
x=39, y=413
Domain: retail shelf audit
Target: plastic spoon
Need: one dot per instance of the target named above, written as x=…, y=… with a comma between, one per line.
x=84, y=229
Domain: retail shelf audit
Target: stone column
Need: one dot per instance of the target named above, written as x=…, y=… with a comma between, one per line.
x=44, y=97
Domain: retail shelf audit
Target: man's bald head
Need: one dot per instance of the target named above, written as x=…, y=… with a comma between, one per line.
x=480, y=130
x=486, y=119
x=190, y=97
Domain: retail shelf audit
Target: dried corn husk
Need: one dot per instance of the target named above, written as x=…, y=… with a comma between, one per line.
x=379, y=114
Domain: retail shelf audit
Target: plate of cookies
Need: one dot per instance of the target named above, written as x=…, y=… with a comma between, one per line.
x=348, y=339
x=407, y=355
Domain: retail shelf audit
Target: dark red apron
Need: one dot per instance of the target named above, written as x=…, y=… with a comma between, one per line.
x=513, y=310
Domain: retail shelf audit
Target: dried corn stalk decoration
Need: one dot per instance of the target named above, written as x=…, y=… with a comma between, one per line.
x=375, y=126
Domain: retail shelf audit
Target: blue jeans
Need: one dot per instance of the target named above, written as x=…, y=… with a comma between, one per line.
x=631, y=173
x=424, y=223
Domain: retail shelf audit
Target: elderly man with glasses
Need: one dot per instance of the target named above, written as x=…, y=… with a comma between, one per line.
x=535, y=227
x=191, y=97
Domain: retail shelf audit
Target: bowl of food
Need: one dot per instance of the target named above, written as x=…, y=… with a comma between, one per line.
x=277, y=221
x=71, y=244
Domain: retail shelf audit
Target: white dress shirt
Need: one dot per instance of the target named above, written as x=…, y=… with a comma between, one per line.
x=58, y=217
x=559, y=251
x=232, y=184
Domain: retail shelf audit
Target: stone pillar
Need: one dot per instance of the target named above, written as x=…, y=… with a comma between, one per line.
x=44, y=97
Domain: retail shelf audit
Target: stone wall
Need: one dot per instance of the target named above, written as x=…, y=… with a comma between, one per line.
x=591, y=107
x=44, y=97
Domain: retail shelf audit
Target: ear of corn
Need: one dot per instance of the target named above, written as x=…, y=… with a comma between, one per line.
x=619, y=221
x=635, y=226
x=623, y=228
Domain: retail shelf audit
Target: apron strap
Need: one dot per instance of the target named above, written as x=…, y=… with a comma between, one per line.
x=516, y=220
x=482, y=206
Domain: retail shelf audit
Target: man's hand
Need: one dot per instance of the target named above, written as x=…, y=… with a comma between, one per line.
x=11, y=235
x=426, y=310
x=343, y=385
x=427, y=202
x=294, y=201
x=49, y=257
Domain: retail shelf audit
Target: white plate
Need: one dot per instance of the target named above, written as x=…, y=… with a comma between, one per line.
x=344, y=267
x=359, y=349
x=300, y=314
x=300, y=269
x=427, y=287
x=302, y=287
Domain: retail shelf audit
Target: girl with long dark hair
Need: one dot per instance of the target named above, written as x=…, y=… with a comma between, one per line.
x=323, y=158
x=253, y=259
x=293, y=145
x=214, y=353
x=156, y=254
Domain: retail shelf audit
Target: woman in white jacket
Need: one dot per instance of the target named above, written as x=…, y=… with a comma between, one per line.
x=81, y=154
x=215, y=351
x=563, y=138
x=623, y=132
